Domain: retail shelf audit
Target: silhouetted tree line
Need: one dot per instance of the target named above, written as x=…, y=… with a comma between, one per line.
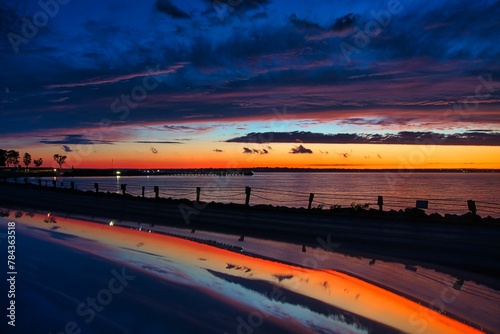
x=12, y=158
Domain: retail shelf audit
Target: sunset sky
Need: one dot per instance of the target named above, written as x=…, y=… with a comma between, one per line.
x=248, y=83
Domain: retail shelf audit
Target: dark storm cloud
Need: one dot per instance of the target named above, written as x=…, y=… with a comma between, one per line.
x=189, y=129
x=259, y=15
x=9, y=20
x=74, y=140
x=240, y=5
x=167, y=7
x=446, y=31
x=427, y=55
x=340, y=24
x=225, y=12
x=300, y=150
x=155, y=142
x=480, y=138
x=364, y=121
x=481, y=130
x=252, y=4
x=344, y=22
x=178, y=127
x=247, y=150
x=66, y=148
x=303, y=23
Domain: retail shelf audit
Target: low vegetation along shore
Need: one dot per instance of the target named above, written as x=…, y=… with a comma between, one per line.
x=465, y=244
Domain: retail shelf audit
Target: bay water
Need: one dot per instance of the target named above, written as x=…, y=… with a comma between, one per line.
x=445, y=192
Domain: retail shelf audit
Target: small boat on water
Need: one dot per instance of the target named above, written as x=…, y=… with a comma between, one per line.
x=248, y=173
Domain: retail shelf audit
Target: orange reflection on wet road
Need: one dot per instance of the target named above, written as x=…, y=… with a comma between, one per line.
x=328, y=286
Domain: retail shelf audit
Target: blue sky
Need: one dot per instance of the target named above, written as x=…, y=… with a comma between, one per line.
x=187, y=69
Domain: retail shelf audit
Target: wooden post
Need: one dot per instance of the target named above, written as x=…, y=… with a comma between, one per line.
x=124, y=188
x=157, y=191
x=311, y=198
x=72, y=185
x=410, y=268
x=39, y=182
x=96, y=186
x=472, y=206
x=248, y=191
x=143, y=190
x=198, y=191
x=15, y=179
x=380, y=203
x=458, y=284
x=25, y=180
x=54, y=182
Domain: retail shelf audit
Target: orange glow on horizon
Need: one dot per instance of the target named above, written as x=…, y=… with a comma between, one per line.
x=231, y=156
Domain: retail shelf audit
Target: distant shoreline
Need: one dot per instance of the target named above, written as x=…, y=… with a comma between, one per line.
x=43, y=171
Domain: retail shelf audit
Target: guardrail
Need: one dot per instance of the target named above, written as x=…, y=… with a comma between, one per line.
x=280, y=197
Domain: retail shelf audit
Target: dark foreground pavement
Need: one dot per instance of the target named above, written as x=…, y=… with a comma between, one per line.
x=59, y=289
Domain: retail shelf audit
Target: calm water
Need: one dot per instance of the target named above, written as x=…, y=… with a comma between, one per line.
x=446, y=192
